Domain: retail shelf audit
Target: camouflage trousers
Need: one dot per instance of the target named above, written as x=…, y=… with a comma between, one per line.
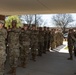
x=48, y=45
x=45, y=47
x=13, y=57
x=2, y=60
x=40, y=48
x=70, y=49
x=57, y=44
x=24, y=54
x=53, y=45
x=34, y=51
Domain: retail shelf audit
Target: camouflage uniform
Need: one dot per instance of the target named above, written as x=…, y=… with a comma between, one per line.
x=40, y=42
x=45, y=40
x=48, y=39
x=13, y=43
x=57, y=38
x=34, y=43
x=61, y=40
x=53, y=39
x=3, y=36
x=24, y=44
x=70, y=43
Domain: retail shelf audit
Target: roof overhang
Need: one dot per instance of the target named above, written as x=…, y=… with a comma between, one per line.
x=18, y=7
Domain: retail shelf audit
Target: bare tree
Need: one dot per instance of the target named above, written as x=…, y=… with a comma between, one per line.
x=62, y=20
x=38, y=20
x=28, y=19
x=32, y=19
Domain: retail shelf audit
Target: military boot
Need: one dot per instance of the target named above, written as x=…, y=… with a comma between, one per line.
x=34, y=57
x=14, y=71
x=24, y=65
x=10, y=72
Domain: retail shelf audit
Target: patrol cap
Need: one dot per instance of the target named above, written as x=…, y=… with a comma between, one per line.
x=70, y=29
x=44, y=26
x=48, y=28
x=2, y=22
x=33, y=25
x=40, y=28
x=25, y=25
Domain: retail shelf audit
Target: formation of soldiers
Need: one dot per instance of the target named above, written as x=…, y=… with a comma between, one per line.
x=26, y=41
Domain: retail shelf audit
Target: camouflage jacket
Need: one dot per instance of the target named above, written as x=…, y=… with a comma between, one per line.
x=13, y=37
x=3, y=36
x=34, y=36
x=25, y=37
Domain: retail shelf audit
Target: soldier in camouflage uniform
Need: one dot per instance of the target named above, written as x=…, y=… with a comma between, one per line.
x=71, y=39
x=45, y=40
x=53, y=39
x=3, y=36
x=61, y=35
x=48, y=38
x=40, y=42
x=24, y=44
x=57, y=37
x=34, y=42
x=13, y=43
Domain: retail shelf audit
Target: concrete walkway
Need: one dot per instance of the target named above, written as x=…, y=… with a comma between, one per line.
x=53, y=63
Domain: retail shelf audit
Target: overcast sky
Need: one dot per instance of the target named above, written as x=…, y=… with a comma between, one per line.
x=48, y=19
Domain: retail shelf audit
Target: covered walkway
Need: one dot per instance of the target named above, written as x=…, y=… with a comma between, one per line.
x=52, y=63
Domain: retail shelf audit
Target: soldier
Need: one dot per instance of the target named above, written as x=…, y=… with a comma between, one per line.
x=75, y=43
x=37, y=31
x=70, y=43
x=53, y=39
x=24, y=44
x=45, y=40
x=13, y=44
x=40, y=42
x=34, y=42
x=3, y=36
x=48, y=38
x=61, y=37
x=57, y=37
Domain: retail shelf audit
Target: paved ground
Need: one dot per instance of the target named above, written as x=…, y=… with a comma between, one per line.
x=53, y=63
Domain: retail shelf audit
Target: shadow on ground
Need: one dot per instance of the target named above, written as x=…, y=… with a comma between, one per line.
x=52, y=63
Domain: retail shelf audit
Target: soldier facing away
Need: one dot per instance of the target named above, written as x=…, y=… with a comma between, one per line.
x=3, y=36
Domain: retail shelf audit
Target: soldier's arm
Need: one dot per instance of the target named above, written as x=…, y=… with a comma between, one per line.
x=73, y=37
x=5, y=34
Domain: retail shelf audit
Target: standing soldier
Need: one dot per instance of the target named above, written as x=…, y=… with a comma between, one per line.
x=24, y=44
x=48, y=38
x=45, y=40
x=13, y=43
x=40, y=42
x=34, y=42
x=3, y=36
x=57, y=37
x=70, y=43
x=53, y=39
x=61, y=35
